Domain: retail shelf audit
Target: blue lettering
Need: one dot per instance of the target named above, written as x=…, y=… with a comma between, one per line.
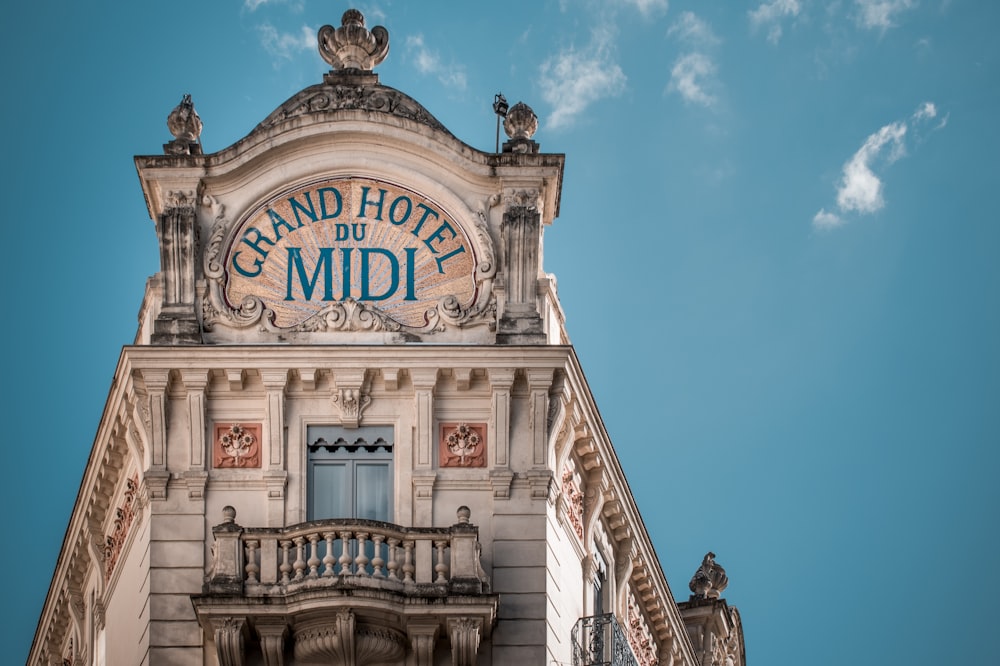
x=406, y=212
x=298, y=208
x=366, y=253
x=308, y=285
x=323, y=191
x=365, y=203
x=278, y=221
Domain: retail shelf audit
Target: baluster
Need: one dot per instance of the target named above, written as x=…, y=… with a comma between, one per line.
x=441, y=567
x=361, y=561
x=314, y=555
x=345, y=555
x=328, y=559
x=408, y=567
x=393, y=563
x=377, y=560
x=252, y=567
x=285, y=567
x=300, y=558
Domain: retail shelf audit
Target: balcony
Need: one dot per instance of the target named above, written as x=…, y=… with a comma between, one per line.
x=598, y=640
x=344, y=590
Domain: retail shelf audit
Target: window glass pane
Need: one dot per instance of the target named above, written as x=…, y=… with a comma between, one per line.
x=372, y=491
x=330, y=492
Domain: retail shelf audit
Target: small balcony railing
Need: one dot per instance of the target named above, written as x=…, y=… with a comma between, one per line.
x=260, y=561
x=598, y=640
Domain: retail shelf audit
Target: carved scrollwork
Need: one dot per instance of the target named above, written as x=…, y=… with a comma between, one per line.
x=327, y=98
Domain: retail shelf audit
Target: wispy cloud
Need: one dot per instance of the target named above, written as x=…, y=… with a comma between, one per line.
x=689, y=76
x=770, y=14
x=284, y=45
x=880, y=13
x=574, y=79
x=648, y=7
x=252, y=5
x=860, y=190
x=428, y=62
x=693, y=73
x=693, y=31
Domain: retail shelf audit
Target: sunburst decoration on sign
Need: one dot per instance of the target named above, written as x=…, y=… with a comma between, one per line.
x=348, y=254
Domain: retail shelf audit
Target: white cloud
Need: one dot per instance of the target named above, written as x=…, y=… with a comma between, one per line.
x=285, y=45
x=860, y=189
x=690, y=76
x=692, y=30
x=428, y=62
x=648, y=7
x=769, y=14
x=572, y=80
x=825, y=220
x=880, y=13
x=252, y=5
x=925, y=111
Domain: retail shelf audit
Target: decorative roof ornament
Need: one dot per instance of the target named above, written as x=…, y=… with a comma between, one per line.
x=709, y=580
x=520, y=124
x=184, y=123
x=352, y=46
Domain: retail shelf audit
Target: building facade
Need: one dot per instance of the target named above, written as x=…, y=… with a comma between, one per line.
x=352, y=429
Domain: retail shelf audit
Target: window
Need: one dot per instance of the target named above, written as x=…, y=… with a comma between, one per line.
x=350, y=472
x=600, y=583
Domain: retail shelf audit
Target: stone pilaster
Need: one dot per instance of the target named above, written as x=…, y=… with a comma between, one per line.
x=177, y=230
x=275, y=475
x=520, y=232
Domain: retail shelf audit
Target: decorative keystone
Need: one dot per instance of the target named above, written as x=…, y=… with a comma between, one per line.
x=352, y=46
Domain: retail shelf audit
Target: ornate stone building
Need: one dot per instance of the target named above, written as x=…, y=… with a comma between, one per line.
x=352, y=429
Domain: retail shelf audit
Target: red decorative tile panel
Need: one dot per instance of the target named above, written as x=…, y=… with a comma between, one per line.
x=463, y=445
x=124, y=515
x=236, y=445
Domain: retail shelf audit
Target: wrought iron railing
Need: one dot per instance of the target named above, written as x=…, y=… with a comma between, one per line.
x=598, y=640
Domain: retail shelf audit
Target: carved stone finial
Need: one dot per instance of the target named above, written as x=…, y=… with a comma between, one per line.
x=463, y=513
x=352, y=45
x=521, y=122
x=185, y=124
x=709, y=580
x=520, y=125
x=228, y=514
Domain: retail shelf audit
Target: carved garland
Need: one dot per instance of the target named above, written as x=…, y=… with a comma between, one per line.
x=347, y=315
x=124, y=516
x=574, y=502
x=639, y=636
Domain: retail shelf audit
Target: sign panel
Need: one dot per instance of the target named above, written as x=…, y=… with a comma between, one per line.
x=349, y=239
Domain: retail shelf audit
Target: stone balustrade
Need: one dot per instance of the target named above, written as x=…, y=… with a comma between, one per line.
x=422, y=561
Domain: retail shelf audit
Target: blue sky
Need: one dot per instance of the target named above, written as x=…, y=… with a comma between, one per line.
x=777, y=253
